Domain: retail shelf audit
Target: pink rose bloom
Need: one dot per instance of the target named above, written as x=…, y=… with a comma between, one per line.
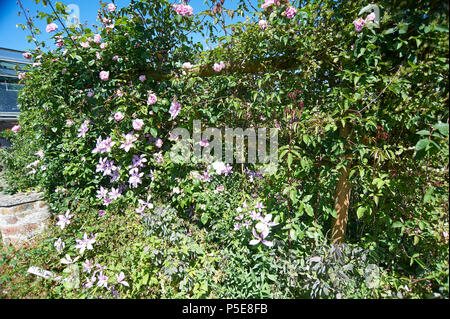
x=104, y=75
x=111, y=7
x=142, y=78
x=22, y=76
x=69, y=122
x=59, y=43
x=85, y=44
x=204, y=143
x=16, y=128
x=63, y=71
x=118, y=116
x=268, y=4
x=184, y=9
x=27, y=55
x=103, y=45
x=219, y=66
x=97, y=38
x=97, y=54
x=138, y=124
x=370, y=17
x=359, y=23
x=115, y=58
x=90, y=93
x=187, y=65
x=119, y=93
x=37, y=64
x=51, y=27
x=159, y=143
x=262, y=24
x=152, y=99
x=290, y=12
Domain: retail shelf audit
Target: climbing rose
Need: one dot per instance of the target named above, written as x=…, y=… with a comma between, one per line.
x=151, y=99
x=290, y=12
x=103, y=45
x=104, y=75
x=138, y=124
x=219, y=66
x=16, y=128
x=22, y=76
x=97, y=38
x=370, y=17
x=184, y=9
x=262, y=24
x=158, y=143
x=268, y=4
x=111, y=7
x=118, y=116
x=27, y=55
x=187, y=65
x=51, y=27
x=175, y=108
x=142, y=78
x=359, y=23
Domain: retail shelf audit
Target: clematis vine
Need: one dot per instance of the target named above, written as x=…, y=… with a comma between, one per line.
x=84, y=128
x=120, y=279
x=260, y=235
x=64, y=220
x=103, y=146
x=128, y=143
x=175, y=108
x=59, y=245
x=85, y=243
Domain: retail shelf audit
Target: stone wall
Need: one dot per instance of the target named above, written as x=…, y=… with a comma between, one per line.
x=22, y=216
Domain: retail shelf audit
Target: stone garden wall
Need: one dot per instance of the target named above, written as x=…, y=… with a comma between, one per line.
x=22, y=216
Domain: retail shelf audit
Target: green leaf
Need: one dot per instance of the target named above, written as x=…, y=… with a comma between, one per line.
x=422, y=145
x=442, y=128
x=360, y=211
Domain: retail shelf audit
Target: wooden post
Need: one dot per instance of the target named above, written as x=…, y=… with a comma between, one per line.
x=342, y=196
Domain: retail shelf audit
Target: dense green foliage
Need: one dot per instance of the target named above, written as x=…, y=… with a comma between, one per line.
x=310, y=76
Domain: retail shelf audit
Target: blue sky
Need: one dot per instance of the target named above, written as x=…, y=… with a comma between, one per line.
x=15, y=38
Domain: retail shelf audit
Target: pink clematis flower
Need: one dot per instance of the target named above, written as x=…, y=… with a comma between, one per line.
x=64, y=220
x=128, y=143
x=260, y=237
x=120, y=279
x=175, y=108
